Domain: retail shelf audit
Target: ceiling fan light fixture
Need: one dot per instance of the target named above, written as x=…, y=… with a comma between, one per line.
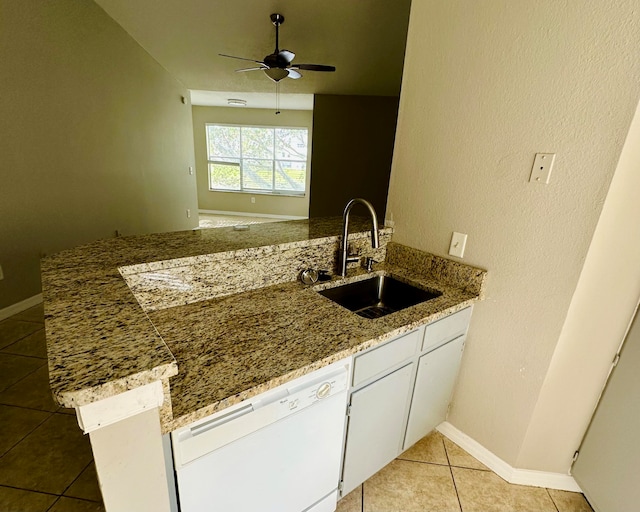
x=236, y=102
x=276, y=74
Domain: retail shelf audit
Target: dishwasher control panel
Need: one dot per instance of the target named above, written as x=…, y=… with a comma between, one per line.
x=311, y=393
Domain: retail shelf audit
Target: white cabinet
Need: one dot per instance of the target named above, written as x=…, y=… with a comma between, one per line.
x=376, y=426
x=437, y=372
x=400, y=392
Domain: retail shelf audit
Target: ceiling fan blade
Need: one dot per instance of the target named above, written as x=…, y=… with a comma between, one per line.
x=314, y=67
x=250, y=69
x=287, y=55
x=240, y=58
x=294, y=74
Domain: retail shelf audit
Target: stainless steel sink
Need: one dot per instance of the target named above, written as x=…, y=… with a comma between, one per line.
x=378, y=296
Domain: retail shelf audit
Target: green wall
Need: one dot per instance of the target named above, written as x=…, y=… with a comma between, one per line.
x=94, y=137
x=352, y=151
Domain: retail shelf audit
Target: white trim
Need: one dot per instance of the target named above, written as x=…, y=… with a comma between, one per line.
x=116, y=408
x=560, y=481
x=21, y=306
x=249, y=214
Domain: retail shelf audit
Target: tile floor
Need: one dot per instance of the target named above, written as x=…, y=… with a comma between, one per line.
x=45, y=461
x=436, y=475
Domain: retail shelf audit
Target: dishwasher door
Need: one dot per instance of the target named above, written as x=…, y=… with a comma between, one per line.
x=280, y=453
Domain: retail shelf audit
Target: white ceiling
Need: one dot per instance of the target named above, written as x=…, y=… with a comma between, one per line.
x=253, y=99
x=364, y=39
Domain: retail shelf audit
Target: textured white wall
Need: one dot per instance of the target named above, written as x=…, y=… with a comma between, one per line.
x=600, y=312
x=486, y=85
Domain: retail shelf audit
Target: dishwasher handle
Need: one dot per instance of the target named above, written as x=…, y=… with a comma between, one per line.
x=220, y=420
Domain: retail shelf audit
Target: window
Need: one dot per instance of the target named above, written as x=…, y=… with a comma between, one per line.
x=270, y=160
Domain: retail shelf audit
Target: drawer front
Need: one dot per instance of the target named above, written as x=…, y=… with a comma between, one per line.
x=445, y=330
x=387, y=356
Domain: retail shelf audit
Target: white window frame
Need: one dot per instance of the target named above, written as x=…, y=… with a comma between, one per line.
x=243, y=190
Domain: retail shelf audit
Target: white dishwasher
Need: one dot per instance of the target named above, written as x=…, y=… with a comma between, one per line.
x=278, y=452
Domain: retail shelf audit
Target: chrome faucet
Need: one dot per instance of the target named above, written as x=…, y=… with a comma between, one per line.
x=344, y=246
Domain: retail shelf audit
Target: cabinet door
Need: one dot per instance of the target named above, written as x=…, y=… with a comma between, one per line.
x=437, y=372
x=376, y=427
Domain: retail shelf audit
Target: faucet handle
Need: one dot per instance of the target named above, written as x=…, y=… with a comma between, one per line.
x=368, y=263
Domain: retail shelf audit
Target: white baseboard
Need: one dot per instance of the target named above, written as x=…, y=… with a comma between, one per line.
x=512, y=475
x=21, y=306
x=249, y=214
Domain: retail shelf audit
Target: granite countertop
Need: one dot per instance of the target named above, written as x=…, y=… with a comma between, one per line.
x=211, y=353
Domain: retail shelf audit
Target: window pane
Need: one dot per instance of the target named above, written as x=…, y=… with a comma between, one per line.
x=257, y=174
x=224, y=175
x=290, y=176
x=223, y=141
x=291, y=144
x=257, y=142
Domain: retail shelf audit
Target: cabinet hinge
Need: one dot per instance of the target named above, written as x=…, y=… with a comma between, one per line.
x=341, y=486
x=348, y=410
x=575, y=456
x=615, y=360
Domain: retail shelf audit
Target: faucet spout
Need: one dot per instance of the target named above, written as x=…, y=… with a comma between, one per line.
x=344, y=246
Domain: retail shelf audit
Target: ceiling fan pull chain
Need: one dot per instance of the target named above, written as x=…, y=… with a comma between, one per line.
x=277, y=98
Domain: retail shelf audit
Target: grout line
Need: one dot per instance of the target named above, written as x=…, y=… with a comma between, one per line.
x=54, y=503
x=27, y=408
x=453, y=478
x=423, y=462
x=74, y=481
x=29, y=490
x=4, y=352
x=28, y=433
x=362, y=495
x=552, y=500
x=22, y=378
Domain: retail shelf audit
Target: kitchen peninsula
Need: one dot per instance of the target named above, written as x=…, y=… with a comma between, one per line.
x=150, y=333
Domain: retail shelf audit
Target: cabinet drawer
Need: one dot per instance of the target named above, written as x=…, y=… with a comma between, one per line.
x=387, y=356
x=446, y=329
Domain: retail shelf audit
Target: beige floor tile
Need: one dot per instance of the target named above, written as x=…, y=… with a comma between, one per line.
x=15, y=424
x=570, y=501
x=34, y=314
x=17, y=500
x=459, y=458
x=12, y=330
x=33, y=345
x=484, y=491
x=86, y=485
x=49, y=459
x=13, y=368
x=405, y=486
x=32, y=392
x=429, y=449
x=352, y=502
x=65, y=504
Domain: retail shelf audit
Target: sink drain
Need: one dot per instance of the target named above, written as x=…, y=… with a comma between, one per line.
x=374, y=311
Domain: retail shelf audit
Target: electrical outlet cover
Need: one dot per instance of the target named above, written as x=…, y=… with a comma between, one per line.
x=542, y=165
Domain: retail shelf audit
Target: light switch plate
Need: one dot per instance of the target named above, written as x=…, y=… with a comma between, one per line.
x=458, y=243
x=541, y=170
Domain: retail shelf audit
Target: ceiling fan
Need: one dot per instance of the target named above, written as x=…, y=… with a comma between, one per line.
x=278, y=65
